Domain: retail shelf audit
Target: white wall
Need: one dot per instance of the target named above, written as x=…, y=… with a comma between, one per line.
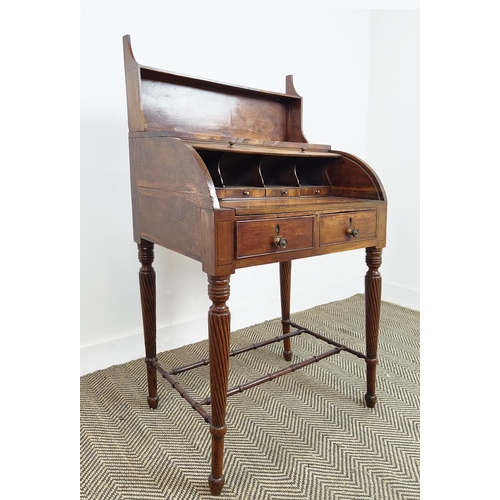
x=333, y=55
x=393, y=140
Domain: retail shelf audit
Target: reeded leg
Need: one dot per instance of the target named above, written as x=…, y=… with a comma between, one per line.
x=285, y=287
x=219, y=329
x=373, y=294
x=147, y=282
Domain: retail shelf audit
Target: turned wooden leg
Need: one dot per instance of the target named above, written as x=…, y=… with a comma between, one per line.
x=285, y=288
x=147, y=282
x=373, y=294
x=219, y=329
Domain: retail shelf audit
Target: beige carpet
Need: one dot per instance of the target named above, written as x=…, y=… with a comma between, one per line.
x=307, y=435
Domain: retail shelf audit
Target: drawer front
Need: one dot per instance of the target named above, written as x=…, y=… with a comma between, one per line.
x=315, y=191
x=241, y=192
x=282, y=191
x=257, y=237
x=347, y=226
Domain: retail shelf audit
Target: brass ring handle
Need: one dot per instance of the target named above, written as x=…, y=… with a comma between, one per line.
x=280, y=242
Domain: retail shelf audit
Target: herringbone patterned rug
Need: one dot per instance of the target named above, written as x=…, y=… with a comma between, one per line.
x=307, y=435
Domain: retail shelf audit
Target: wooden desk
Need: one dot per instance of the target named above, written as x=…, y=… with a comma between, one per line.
x=224, y=175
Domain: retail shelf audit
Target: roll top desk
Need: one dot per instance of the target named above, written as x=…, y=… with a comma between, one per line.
x=224, y=175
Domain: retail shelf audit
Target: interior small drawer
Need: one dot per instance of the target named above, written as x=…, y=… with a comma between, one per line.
x=282, y=191
x=268, y=236
x=347, y=226
x=241, y=192
x=315, y=191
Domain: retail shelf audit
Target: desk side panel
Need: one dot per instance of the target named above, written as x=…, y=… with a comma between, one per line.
x=353, y=178
x=171, y=187
x=171, y=222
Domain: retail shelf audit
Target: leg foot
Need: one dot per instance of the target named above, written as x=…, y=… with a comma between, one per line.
x=216, y=485
x=371, y=401
x=153, y=402
x=370, y=397
x=216, y=478
x=152, y=399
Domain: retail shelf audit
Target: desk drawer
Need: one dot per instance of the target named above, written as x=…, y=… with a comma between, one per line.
x=241, y=192
x=282, y=191
x=257, y=237
x=315, y=191
x=347, y=226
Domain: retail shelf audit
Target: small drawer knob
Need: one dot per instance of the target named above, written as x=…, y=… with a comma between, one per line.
x=284, y=192
x=246, y=193
x=317, y=191
x=280, y=242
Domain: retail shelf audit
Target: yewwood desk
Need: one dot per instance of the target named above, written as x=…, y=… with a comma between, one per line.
x=224, y=175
